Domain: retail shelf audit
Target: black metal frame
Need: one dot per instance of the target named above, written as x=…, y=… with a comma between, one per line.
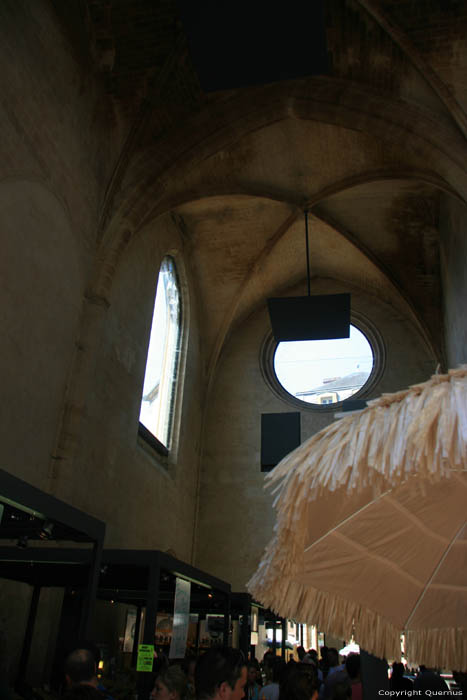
x=157, y=562
x=71, y=524
x=241, y=609
x=64, y=567
x=81, y=526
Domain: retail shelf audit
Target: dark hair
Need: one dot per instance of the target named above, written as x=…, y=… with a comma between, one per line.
x=268, y=655
x=278, y=666
x=175, y=680
x=187, y=661
x=352, y=665
x=397, y=669
x=80, y=666
x=216, y=666
x=299, y=682
x=90, y=646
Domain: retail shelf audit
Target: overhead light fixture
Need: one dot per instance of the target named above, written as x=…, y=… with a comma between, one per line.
x=46, y=531
x=317, y=317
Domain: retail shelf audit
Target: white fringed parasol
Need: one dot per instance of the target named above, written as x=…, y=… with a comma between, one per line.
x=371, y=532
x=350, y=648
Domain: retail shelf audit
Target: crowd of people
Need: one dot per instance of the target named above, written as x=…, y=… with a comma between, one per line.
x=220, y=673
x=223, y=673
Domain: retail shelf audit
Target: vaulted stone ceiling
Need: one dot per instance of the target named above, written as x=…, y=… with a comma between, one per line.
x=370, y=149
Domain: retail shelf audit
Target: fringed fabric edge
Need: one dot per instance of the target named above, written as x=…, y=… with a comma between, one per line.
x=424, y=434
x=437, y=648
x=337, y=616
x=418, y=432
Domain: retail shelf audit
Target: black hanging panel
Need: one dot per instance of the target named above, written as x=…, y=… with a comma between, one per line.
x=237, y=43
x=280, y=434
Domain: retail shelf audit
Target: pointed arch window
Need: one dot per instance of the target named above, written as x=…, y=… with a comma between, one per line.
x=163, y=360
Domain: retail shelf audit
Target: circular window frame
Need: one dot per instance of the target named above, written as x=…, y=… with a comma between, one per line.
x=268, y=350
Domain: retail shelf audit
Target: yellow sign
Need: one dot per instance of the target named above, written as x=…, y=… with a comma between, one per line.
x=145, y=657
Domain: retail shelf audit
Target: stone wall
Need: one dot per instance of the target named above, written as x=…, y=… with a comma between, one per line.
x=236, y=515
x=52, y=170
x=146, y=501
x=72, y=361
x=42, y=284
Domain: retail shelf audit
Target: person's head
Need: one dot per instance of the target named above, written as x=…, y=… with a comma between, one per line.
x=352, y=666
x=333, y=657
x=278, y=666
x=252, y=673
x=90, y=646
x=313, y=654
x=397, y=669
x=220, y=673
x=188, y=666
x=299, y=682
x=160, y=663
x=268, y=657
x=80, y=668
x=171, y=684
x=301, y=653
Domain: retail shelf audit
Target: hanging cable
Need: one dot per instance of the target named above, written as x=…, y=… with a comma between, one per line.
x=307, y=252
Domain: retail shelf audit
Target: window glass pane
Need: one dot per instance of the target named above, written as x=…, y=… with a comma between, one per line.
x=163, y=355
x=324, y=372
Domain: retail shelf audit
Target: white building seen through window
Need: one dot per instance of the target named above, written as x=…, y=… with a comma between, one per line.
x=324, y=372
x=160, y=379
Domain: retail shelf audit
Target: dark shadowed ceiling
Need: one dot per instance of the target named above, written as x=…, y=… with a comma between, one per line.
x=370, y=148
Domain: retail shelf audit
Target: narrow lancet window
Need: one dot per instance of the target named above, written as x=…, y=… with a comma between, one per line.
x=160, y=379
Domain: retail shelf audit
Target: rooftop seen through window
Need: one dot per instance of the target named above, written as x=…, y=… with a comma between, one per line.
x=324, y=372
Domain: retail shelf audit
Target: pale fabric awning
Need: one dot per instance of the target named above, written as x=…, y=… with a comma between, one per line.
x=371, y=532
x=351, y=648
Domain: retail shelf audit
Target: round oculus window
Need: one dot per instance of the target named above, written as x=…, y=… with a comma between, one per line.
x=324, y=372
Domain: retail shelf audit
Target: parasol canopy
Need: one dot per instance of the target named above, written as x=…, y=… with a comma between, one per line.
x=371, y=534
x=350, y=648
